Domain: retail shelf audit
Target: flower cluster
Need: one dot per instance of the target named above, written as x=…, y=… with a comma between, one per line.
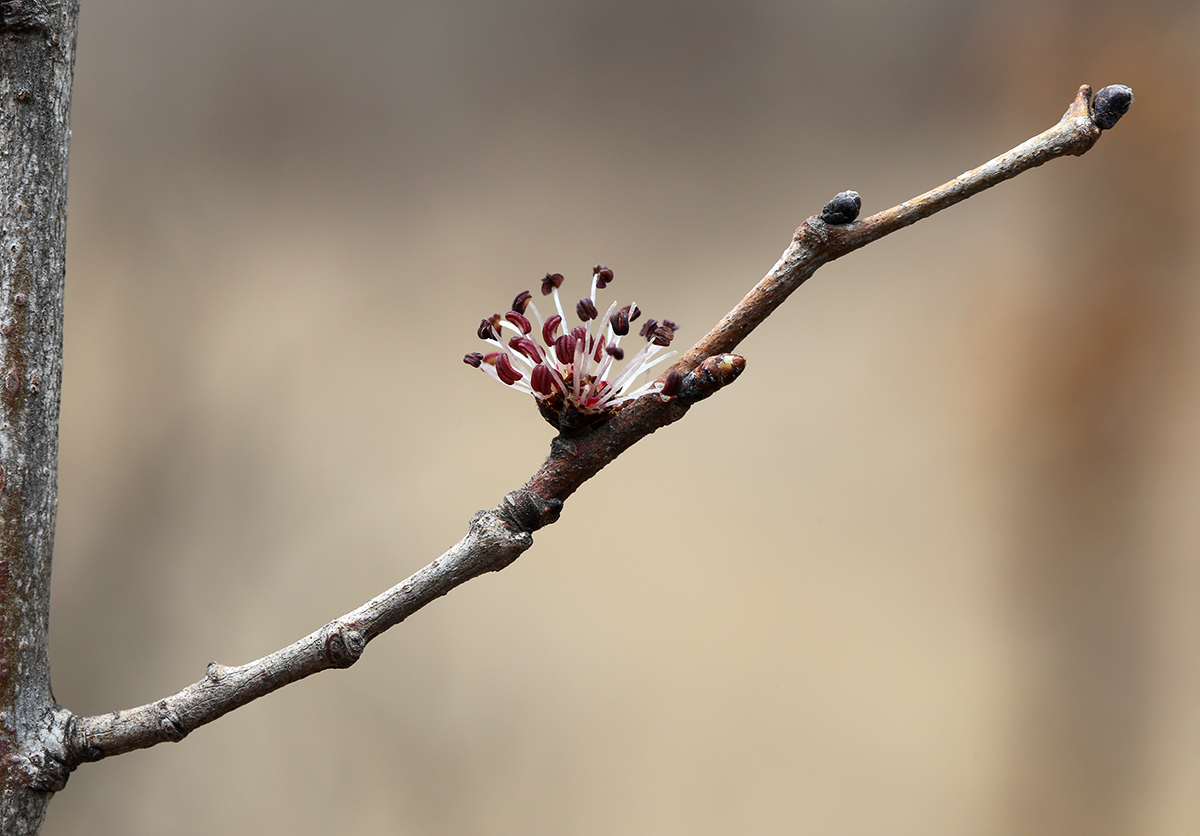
x=570, y=373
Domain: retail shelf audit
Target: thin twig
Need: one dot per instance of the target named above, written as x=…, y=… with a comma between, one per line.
x=497, y=537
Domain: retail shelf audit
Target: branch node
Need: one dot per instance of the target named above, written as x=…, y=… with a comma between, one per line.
x=526, y=511
x=713, y=374
x=50, y=774
x=170, y=725
x=24, y=14
x=215, y=672
x=344, y=643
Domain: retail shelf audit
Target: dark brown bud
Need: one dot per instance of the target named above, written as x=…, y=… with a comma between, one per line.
x=843, y=209
x=522, y=301
x=586, y=309
x=602, y=275
x=474, y=359
x=1110, y=104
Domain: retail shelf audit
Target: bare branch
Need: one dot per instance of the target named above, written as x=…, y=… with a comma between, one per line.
x=489, y=546
x=497, y=537
x=817, y=242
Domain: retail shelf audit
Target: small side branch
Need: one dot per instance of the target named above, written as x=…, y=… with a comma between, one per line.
x=818, y=241
x=497, y=537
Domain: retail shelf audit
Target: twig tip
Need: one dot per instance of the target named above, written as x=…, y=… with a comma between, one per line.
x=1110, y=104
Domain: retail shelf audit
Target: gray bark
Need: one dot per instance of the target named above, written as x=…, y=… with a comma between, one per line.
x=36, y=64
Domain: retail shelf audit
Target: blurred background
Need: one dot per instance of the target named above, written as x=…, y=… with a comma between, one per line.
x=931, y=566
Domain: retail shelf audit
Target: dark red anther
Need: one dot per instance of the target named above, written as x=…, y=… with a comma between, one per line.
x=602, y=275
x=579, y=332
x=648, y=328
x=527, y=347
x=586, y=309
x=564, y=349
x=672, y=383
x=505, y=370
x=541, y=381
x=634, y=313
x=519, y=322
x=620, y=322
x=549, y=327
x=522, y=301
x=616, y=352
x=670, y=323
x=552, y=281
x=662, y=335
x=474, y=359
x=489, y=329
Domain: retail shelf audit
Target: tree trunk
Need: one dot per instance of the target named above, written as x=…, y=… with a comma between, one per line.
x=36, y=65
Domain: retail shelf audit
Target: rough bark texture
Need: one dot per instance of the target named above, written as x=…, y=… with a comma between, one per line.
x=35, y=96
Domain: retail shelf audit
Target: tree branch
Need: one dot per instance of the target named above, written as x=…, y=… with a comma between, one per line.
x=498, y=537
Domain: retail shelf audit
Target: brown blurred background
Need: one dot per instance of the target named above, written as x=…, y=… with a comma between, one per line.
x=932, y=566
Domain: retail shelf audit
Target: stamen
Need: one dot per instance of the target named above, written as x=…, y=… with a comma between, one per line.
x=489, y=329
x=541, y=381
x=549, y=327
x=564, y=349
x=505, y=370
x=568, y=371
x=619, y=322
x=518, y=321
